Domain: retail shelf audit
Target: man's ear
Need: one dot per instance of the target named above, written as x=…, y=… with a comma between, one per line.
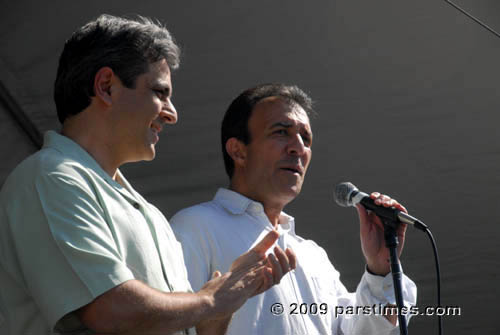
x=102, y=84
x=237, y=150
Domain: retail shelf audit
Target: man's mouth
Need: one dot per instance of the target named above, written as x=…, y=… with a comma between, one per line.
x=156, y=128
x=293, y=169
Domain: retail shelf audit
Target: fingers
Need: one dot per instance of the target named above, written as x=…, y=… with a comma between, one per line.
x=402, y=230
x=266, y=242
x=261, y=271
x=292, y=258
x=279, y=264
x=257, y=253
x=277, y=269
x=376, y=220
x=216, y=274
x=386, y=201
x=402, y=208
x=282, y=262
x=266, y=283
x=283, y=259
x=366, y=219
x=362, y=212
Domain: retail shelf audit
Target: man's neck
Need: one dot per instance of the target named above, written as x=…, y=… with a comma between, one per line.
x=91, y=140
x=273, y=214
x=272, y=210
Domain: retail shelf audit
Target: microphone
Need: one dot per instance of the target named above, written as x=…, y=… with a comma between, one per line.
x=346, y=194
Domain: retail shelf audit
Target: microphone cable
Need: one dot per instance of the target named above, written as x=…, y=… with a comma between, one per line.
x=438, y=277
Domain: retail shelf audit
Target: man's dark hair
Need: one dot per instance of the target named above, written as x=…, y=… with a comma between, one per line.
x=235, y=122
x=127, y=46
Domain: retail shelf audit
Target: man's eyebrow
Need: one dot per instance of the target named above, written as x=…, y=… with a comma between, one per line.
x=165, y=87
x=288, y=125
x=280, y=124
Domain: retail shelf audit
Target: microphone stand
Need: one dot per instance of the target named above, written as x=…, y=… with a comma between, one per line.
x=391, y=242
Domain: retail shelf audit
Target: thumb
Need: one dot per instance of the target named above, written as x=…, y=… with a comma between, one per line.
x=363, y=213
x=266, y=242
x=216, y=274
x=366, y=219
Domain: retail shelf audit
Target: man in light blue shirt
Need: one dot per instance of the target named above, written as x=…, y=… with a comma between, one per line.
x=81, y=252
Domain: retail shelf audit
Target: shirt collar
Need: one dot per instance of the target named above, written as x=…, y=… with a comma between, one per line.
x=238, y=204
x=234, y=202
x=71, y=149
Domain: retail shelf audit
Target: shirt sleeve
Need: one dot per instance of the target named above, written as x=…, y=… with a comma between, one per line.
x=65, y=247
x=375, y=292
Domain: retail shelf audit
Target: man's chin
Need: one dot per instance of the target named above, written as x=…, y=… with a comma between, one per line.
x=151, y=155
x=147, y=156
x=291, y=192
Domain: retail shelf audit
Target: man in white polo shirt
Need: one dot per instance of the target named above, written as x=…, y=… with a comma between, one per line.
x=81, y=252
x=267, y=146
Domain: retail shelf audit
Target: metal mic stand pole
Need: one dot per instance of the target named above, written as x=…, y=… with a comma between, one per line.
x=391, y=242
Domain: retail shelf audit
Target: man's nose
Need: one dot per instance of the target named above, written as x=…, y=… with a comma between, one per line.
x=168, y=113
x=296, y=145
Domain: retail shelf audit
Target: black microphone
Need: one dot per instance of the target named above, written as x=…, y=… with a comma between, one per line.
x=346, y=194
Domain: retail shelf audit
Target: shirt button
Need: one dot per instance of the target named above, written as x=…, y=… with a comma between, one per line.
x=136, y=205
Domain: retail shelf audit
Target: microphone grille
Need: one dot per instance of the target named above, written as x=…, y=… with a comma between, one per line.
x=342, y=193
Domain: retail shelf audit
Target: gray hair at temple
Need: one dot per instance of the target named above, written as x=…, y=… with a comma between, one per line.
x=127, y=46
x=235, y=122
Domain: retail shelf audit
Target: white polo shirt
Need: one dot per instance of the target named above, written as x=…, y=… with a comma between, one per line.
x=215, y=233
